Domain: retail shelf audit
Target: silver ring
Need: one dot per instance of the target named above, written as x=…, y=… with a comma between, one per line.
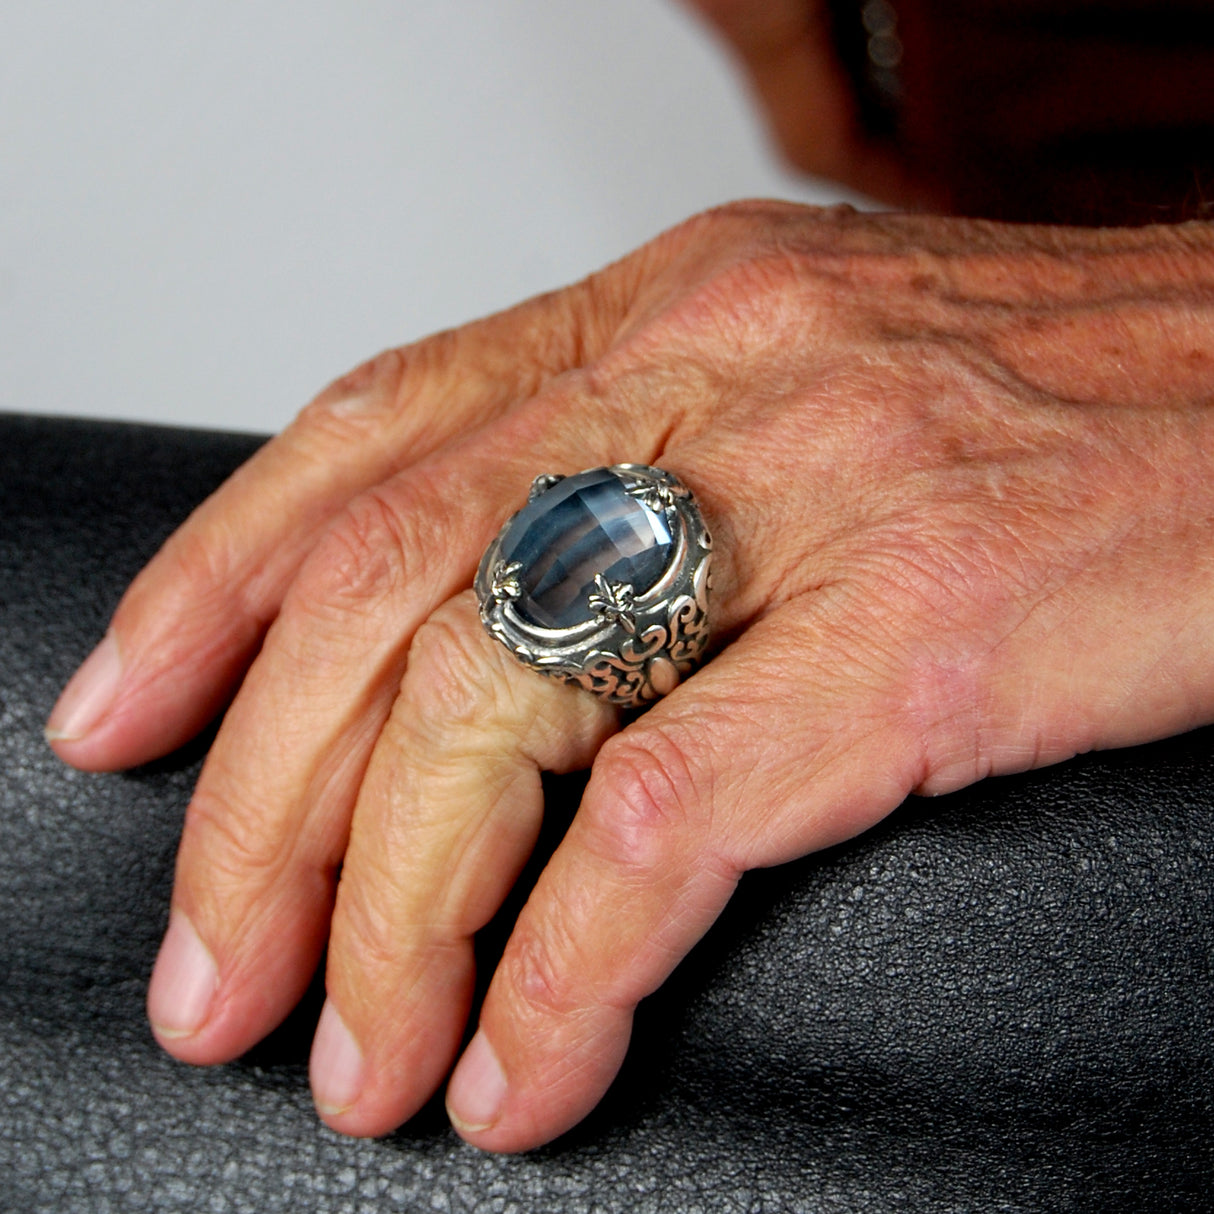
x=602, y=580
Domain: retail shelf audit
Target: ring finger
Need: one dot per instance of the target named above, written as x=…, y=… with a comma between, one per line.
x=448, y=813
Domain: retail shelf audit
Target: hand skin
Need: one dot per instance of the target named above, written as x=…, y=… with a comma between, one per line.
x=960, y=480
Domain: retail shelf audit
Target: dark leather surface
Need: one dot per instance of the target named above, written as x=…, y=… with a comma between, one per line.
x=998, y=1000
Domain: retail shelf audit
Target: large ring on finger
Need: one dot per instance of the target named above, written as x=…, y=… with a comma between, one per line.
x=602, y=580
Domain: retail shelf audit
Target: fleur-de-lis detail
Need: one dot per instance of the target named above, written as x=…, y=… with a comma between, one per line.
x=613, y=601
x=505, y=585
x=542, y=484
x=658, y=497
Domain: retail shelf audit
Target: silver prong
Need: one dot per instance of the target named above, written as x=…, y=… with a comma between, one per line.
x=542, y=484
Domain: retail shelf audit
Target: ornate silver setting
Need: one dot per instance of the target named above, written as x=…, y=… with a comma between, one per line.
x=641, y=641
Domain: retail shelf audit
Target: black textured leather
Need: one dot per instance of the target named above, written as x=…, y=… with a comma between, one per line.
x=995, y=1001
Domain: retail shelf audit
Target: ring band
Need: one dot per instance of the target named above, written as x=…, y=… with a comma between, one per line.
x=602, y=580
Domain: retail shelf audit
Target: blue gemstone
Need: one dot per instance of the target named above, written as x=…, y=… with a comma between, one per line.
x=583, y=525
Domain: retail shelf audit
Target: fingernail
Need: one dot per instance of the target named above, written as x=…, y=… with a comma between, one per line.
x=337, y=1064
x=183, y=982
x=478, y=1087
x=88, y=695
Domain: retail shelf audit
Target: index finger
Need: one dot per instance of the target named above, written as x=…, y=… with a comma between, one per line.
x=190, y=623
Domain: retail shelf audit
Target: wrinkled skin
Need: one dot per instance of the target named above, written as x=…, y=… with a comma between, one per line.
x=960, y=481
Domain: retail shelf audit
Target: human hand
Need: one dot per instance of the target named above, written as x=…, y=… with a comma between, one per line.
x=959, y=480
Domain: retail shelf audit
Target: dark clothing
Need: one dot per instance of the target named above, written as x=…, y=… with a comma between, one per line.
x=1072, y=111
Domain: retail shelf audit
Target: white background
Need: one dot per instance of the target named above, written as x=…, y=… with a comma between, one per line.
x=208, y=210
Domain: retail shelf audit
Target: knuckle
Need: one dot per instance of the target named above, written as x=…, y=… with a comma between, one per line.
x=200, y=559
x=362, y=398
x=537, y=968
x=362, y=559
x=643, y=800
x=451, y=665
x=380, y=390
x=191, y=578
x=233, y=848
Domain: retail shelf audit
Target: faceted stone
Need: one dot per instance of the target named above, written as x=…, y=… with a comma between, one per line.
x=583, y=525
